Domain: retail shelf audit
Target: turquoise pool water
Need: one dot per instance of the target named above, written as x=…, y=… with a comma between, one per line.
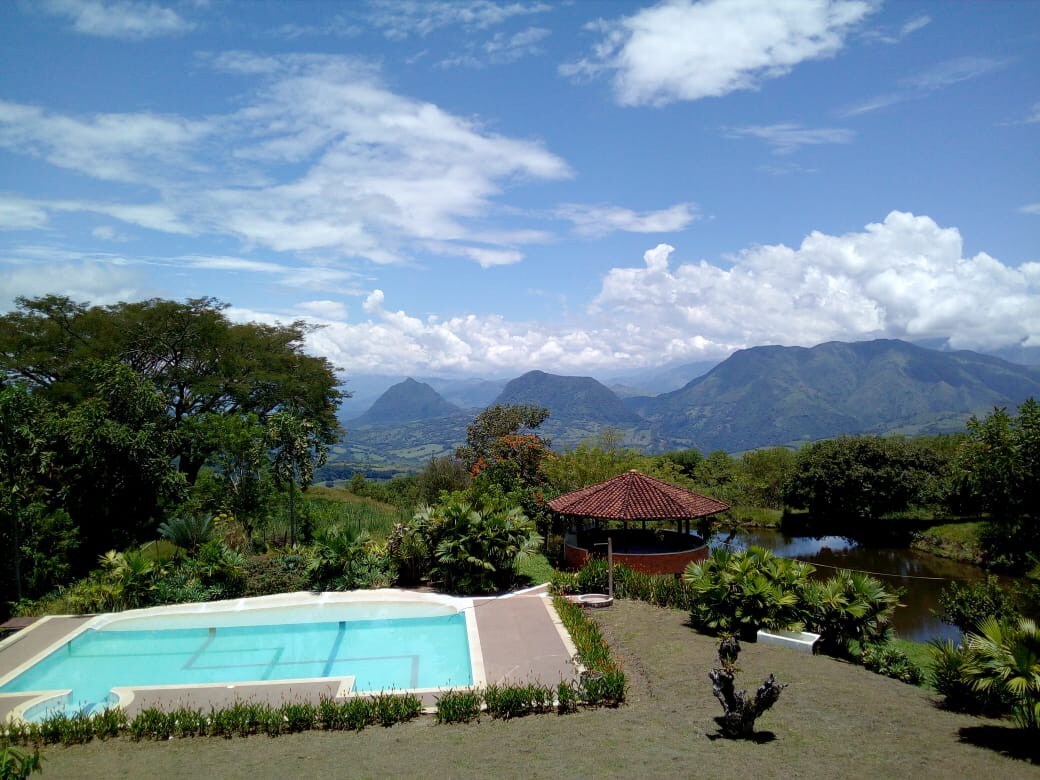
x=381, y=654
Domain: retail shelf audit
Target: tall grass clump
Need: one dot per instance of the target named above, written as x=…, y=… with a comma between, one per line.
x=459, y=706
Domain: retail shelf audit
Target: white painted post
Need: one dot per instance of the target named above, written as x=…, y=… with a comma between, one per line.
x=610, y=567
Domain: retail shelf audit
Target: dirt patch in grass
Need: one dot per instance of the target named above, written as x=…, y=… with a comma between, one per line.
x=834, y=720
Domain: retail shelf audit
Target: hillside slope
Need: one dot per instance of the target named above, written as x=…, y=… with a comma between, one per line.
x=779, y=395
x=406, y=402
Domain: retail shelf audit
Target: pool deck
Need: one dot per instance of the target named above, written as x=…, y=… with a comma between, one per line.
x=521, y=640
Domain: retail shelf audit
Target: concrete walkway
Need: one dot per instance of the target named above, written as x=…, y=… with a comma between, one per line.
x=521, y=641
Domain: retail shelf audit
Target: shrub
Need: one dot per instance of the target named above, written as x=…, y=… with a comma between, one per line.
x=563, y=583
x=458, y=706
x=390, y=708
x=952, y=679
x=890, y=661
x=514, y=701
x=740, y=592
x=849, y=608
x=1005, y=661
x=472, y=549
x=967, y=605
x=593, y=577
x=285, y=571
x=566, y=698
x=350, y=715
x=188, y=531
x=662, y=590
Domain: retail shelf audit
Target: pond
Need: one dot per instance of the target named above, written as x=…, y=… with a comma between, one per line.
x=900, y=566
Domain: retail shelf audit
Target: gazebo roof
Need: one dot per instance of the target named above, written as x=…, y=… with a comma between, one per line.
x=635, y=496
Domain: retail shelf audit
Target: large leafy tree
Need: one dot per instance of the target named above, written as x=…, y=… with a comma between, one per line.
x=26, y=457
x=999, y=461
x=112, y=459
x=856, y=477
x=495, y=422
x=200, y=362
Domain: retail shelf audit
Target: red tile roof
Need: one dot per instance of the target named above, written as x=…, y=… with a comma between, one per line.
x=635, y=496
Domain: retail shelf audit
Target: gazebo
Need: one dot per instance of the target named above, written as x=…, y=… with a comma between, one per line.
x=630, y=498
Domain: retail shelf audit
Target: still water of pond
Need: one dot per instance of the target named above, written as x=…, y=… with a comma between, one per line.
x=898, y=566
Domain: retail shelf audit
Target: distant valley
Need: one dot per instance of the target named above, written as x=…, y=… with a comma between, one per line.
x=763, y=396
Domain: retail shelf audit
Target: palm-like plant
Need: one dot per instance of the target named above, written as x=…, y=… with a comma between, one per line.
x=476, y=549
x=188, y=531
x=745, y=591
x=128, y=575
x=1005, y=661
x=336, y=549
x=849, y=607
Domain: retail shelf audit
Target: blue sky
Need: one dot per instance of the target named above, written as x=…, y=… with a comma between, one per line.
x=482, y=187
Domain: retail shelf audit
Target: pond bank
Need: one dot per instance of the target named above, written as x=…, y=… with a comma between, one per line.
x=921, y=575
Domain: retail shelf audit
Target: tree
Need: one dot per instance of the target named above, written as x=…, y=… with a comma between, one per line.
x=200, y=362
x=762, y=474
x=113, y=460
x=858, y=477
x=495, y=422
x=297, y=450
x=26, y=456
x=999, y=464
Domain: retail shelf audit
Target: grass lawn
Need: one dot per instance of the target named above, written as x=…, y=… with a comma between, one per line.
x=834, y=720
x=536, y=568
x=959, y=541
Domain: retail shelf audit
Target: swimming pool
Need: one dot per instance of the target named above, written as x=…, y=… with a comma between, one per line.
x=383, y=640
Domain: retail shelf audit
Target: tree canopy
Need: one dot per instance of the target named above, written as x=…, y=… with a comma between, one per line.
x=201, y=363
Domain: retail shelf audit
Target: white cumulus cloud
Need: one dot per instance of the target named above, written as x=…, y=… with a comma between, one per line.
x=906, y=277
x=685, y=50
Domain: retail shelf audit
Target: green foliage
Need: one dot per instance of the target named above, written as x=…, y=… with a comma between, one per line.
x=660, y=590
x=464, y=548
x=344, y=558
x=887, y=659
x=967, y=605
x=847, y=609
x=18, y=765
x=865, y=477
x=951, y=677
x=686, y=460
x=999, y=463
x=459, y=706
x=604, y=682
x=741, y=592
x=391, y=708
x=515, y=701
x=761, y=476
x=564, y=583
x=297, y=448
x=590, y=463
x=352, y=714
x=593, y=576
x=494, y=423
x=1005, y=661
x=196, y=359
x=188, y=531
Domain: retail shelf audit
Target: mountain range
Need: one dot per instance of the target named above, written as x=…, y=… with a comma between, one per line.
x=763, y=396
